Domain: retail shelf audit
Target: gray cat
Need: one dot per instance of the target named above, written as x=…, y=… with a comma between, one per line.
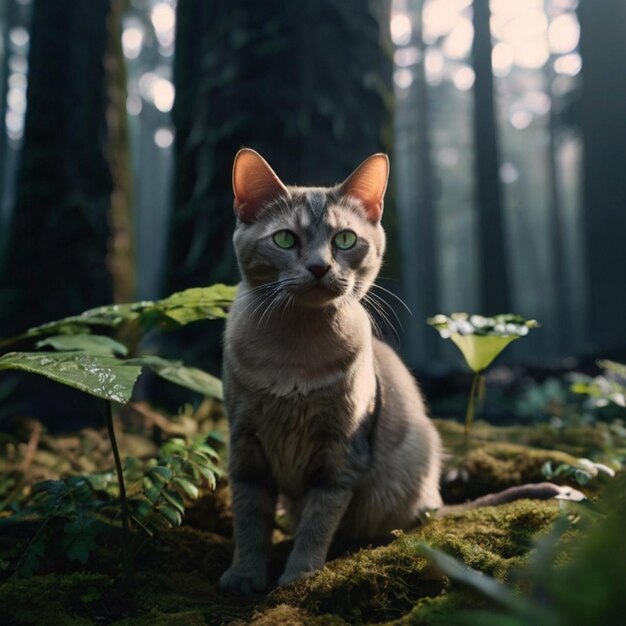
x=320, y=410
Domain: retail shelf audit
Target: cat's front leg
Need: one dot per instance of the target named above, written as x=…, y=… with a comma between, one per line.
x=322, y=512
x=254, y=506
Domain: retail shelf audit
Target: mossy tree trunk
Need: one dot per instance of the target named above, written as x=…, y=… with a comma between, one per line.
x=307, y=84
x=56, y=262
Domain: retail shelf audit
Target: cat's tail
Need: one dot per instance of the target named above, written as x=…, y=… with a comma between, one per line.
x=536, y=491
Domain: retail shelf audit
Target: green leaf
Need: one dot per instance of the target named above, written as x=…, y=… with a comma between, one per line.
x=170, y=514
x=152, y=489
x=141, y=510
x=80, y=539
x=29, y=562
x=189, y=377
x=187, y=486
x=179, y=309
x=209, y=475
x=175, y=499
x=479, y=351
x=198, y=303
x=160, y=473
x=94, y=344
x=101, y=376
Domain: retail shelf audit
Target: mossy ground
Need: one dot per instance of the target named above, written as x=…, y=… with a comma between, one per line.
x=174, y=580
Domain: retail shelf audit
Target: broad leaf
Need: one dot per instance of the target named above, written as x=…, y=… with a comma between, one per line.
x=189, y=377
x=101, y=376
x=94, y=344
x=479, y=351
x=198, y=303
x=179, y=309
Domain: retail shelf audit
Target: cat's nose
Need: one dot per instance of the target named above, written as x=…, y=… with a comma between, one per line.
x=318, y=270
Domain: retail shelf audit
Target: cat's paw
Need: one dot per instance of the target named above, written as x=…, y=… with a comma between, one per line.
x=242, y=583
x=289, y=576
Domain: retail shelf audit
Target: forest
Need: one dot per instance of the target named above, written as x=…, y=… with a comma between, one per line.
x=503, y=289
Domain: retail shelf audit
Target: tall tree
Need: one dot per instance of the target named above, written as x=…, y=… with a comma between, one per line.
x=305, y=83
x=603, y=103
x=117, y=150
x=59, y=231
x=493, y=272
x=416, y=203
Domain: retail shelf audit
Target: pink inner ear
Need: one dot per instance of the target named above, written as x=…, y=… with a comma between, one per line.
x=254, y=184
x=368, y=184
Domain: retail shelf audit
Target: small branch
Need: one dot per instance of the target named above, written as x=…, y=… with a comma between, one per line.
x=31, y=448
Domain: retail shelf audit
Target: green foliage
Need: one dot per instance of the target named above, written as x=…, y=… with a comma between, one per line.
x=101, y=376
x=174, y=311
x=582, y=472
x=579, y=582
x=94, y=344
x=179, y=473
x=88, y=506
x=88, y=362
x=480, y=340
x=189, y=377
x=608, y=388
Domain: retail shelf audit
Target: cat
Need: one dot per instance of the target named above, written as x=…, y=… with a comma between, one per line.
x=320, y=410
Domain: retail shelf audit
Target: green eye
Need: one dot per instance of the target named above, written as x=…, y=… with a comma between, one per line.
x=284, y=239
x=345, y=240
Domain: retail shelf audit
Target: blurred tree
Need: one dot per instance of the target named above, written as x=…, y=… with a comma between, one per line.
x=307, y=84
x=603, y=119
x=117, y=150
x=59, y=231
x=493, y=268
x=7, y=12
x=416, y=202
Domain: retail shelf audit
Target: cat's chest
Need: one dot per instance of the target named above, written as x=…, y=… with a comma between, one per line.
x=296, y=434
x=292, y=364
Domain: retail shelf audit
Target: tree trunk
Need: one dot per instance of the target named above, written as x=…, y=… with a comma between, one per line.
x=59, y=231
x=122, y=250
x=307, y=84
x=416, y=202
x=493, y=267
x=603, y=118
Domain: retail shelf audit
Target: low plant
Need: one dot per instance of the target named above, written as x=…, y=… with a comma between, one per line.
x=69, y=352
x=480, y=339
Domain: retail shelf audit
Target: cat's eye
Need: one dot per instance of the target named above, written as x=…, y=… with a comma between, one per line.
x=345, y=240
x=284, y=239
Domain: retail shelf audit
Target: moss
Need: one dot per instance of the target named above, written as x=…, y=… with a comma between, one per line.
x=156, y=618
x=386, y=583
x=579, y=440
x=53, y=599
x=437, y=611
x=286, y=615
x=491, y=467
x=176, y=573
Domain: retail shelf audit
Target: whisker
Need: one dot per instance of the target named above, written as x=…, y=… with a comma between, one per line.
x=367, y=298
x=398, y=298
x=384, y=302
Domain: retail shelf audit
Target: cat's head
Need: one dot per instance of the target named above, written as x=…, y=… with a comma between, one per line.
x=316, y=246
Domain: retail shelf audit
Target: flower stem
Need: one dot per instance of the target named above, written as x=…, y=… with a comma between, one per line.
x=120, y=480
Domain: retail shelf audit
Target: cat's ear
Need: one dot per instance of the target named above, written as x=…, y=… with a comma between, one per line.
x=254, y=184
x=368, y=183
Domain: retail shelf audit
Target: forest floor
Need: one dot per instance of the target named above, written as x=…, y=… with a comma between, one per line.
x=174, y=576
